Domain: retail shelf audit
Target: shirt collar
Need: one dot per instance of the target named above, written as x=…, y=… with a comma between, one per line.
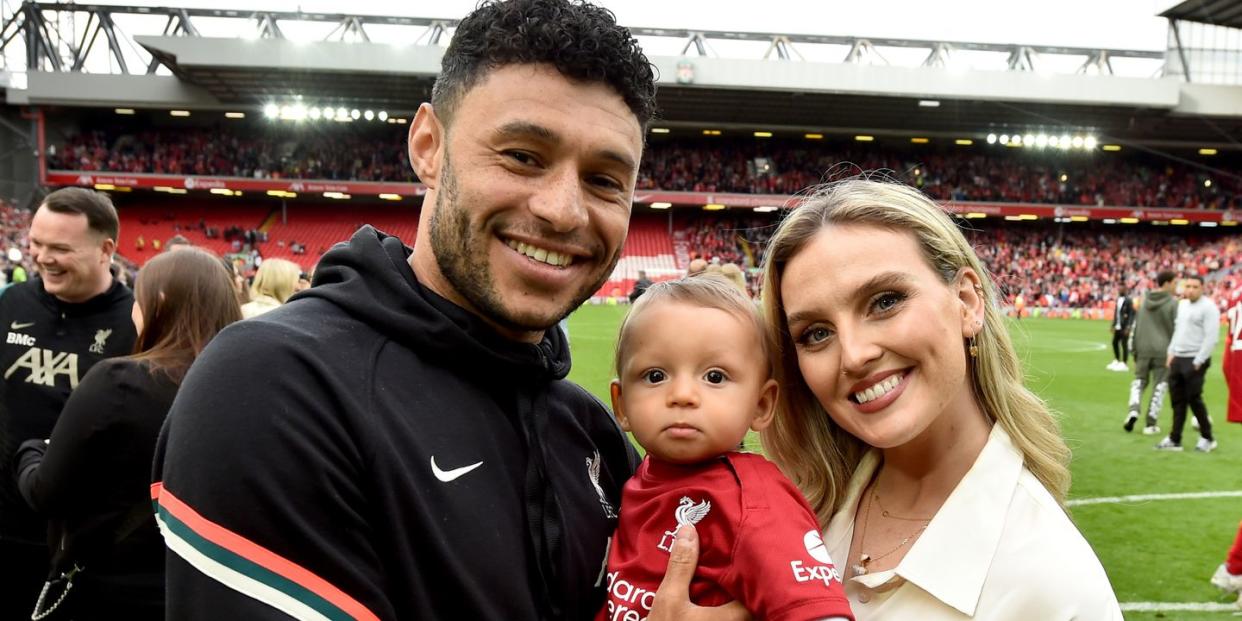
x=952, y=558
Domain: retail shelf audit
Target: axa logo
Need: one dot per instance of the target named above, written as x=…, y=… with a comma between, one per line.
x=593, y=465
x=45, y=365
x=85, y=180
x=101, y=341
x=687, y=512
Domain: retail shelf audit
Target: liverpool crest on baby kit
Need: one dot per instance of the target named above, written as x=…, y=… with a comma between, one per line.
x=687, y=512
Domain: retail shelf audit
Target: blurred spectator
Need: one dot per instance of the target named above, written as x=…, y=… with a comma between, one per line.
x=274, y=283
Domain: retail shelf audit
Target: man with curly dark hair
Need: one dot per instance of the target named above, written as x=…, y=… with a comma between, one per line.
x=399, y=441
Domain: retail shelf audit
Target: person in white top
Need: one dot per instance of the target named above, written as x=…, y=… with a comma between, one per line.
x=939, y=477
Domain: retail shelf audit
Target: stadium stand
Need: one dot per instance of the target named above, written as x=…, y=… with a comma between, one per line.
x=318, y=227
x=776, y=166
x=1079, y=266
x=261, y=151
x=310, y=227
x=979, y=173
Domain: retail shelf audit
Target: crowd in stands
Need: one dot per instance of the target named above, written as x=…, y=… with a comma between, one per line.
x=981, y=172
x=727, y=240
x=1054, y=268
x=274, y=151
x=1050, y=267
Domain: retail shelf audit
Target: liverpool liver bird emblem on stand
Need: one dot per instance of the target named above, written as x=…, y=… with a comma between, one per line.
x=687, y=512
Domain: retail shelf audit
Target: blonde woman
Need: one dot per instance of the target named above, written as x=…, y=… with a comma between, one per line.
x=940, y=479
x=274, y=283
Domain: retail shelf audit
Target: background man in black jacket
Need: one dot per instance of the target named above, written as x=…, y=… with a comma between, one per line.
x=58, y=326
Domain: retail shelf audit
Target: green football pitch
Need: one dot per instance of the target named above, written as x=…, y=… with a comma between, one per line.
x=1156, y=551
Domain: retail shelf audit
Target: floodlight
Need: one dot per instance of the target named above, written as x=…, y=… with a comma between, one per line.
x=341, y=114
x=1041, y=140
x=15, y=255
x=1053, y=141
x=286, y=112
x=369, y=115
x=1065, y=142
x=383, y=115
x=991, y=138
x=1089, y=143
x=1028, y=140
x=354, y=114
x=271, y=111
x=1207, y=183
x=1077, y=142
x=1015, y=140
x=1064, y=177
x=299, y=112
x=1004, y=139
x=314, y=113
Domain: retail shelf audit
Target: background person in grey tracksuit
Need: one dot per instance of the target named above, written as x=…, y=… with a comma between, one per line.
x=1152, y=332
x=1195, y=332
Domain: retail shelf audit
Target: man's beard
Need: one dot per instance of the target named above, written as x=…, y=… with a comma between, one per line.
x=462, y=256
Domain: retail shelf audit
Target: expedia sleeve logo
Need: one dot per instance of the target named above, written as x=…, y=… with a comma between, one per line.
x=825, y=571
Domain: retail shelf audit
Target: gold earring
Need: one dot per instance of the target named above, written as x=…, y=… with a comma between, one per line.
x=974, y=349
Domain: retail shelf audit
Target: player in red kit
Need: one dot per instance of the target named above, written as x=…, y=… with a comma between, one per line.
x=1232, y=365
x=694, y=375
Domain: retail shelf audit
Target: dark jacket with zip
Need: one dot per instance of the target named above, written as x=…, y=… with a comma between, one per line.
x=372, y=451
x=48, y=348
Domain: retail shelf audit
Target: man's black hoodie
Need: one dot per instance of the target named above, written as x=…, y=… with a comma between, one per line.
x=371, y=450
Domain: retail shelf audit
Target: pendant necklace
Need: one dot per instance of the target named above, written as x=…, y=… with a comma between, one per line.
x=864, y=560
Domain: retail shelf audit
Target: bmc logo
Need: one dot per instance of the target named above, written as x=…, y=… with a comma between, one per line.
x=45, y=366
x=16, y=338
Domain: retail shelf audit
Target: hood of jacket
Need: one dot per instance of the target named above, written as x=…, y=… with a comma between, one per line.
x=1158, y=299
x=369, y=277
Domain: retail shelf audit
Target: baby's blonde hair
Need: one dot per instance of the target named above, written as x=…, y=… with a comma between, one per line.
x=703, y=290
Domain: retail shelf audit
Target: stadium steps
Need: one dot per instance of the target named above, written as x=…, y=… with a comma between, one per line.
x=319, y=227
x=163, y=220
x=649, y=248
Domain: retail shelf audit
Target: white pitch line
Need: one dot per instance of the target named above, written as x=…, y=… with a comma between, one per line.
x=1109, y=500
x=1177, y=606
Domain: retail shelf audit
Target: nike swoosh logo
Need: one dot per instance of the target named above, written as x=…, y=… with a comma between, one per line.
x=20, y=326
x=451, y=475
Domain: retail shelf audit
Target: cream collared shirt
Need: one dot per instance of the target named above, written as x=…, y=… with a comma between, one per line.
x=1000, y=548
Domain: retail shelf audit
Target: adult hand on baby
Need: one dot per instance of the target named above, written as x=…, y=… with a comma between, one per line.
x=672, y=600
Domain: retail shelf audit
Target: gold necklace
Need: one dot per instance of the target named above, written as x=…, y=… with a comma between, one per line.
x=884, y=512
x=864, y=559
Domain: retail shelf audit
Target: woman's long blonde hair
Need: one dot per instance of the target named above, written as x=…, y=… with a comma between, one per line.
x=276, y=278
x=803, y=440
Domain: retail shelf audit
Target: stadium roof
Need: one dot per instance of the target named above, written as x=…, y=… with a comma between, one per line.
x=1227, y=13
